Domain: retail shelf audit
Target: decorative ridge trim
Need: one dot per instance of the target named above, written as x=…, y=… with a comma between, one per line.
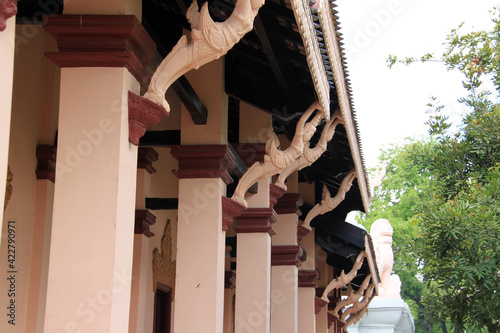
x=289, y=203
x=101, y=41
x=203, y=161
x=8, y=8
x=256, y=220
x=230, y=210
x=145, y=158
x=143, y=220
x=330, y=36
x=46, y=162
x=314, y=57
x=307, y=278
x=285, y=255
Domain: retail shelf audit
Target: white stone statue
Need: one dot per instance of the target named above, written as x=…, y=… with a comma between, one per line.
x=310, y=155
x=275, y=160
x=209, y=41
x=328, y=203
x=381, y=232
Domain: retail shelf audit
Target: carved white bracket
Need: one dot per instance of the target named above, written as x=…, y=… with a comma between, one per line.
x=310, y=155
x=276, y=160
x=209, y=41
x=376, y=181
x=344, y=279
x=328, y=203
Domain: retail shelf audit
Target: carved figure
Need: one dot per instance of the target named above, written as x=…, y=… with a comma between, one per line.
x=328, y=203
x=209, y=41
x=310, y=155
x=8, y=8
x=381, y=232
x=275, y=160
x=344, y=279
x=377, y=179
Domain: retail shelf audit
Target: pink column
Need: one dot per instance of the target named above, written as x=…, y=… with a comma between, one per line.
x=285, y=262
x=102, y=58
x=7, y=50
x=200, y=271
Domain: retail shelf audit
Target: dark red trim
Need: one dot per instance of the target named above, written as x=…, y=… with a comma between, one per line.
x=307, y=278
x=256, y=220
x=250, y=152
x=142, y=113
x=143, y=220
x=275, y=192
x=301, y=232
x=230, y=210
x=229, y=280
x=203, y=161
x=285, y=255
x=101, y=41
x=46, y=162
x=331, y=319
x=8, y=8
x=289, y=203
x=318, y=304
x=145, y=158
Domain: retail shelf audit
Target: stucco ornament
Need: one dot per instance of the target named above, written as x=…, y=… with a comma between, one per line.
x=209, y=41
x=8, y=8
x=8, y=188
x=328, y=203
x=163, y=265
x=381, y=232
x=344, y=279
x=275, y=160
x=310, y=155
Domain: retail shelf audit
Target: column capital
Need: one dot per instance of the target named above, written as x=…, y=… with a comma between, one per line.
x=250, y=152
x=289, y=203
x=307, y=278
x=255, y=220
x=285, y=255
x=203, y=161
x=8, y=8
x=143, y=220
x=46, y=162
x=101, y=41
x=145, y=158
x=230, y=210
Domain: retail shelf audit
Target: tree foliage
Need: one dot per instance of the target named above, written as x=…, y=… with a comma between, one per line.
x=445, y=189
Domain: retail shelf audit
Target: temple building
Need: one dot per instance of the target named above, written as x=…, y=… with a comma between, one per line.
x=179, y=167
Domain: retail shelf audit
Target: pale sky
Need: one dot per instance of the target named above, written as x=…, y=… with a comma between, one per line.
x=390, y=104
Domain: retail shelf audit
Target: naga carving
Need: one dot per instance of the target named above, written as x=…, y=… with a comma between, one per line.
x=209, y=41
x=310, y=155
x=328, y=203
x=276, y=160
x=344, y=279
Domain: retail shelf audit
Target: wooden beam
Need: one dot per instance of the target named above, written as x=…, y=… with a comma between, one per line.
x=191, y=101
x=161, y=138
x=162, y=203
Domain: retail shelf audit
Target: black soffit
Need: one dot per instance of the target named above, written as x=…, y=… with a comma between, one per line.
x=267, y=69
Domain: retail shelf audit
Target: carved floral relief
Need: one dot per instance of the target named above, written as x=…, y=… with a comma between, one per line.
x=163, y=265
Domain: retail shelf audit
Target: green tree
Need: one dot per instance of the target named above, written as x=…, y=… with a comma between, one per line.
x=454, y=204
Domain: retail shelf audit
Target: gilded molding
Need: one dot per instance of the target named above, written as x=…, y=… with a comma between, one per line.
x=163, y=265
x=8, y=9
